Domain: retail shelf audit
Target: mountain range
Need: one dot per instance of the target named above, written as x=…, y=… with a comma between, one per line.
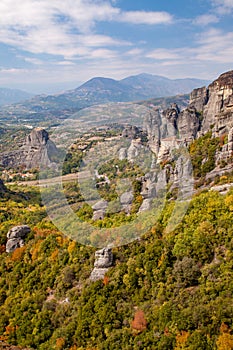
x=9, y=96
x=133, y=88
x=98, y=90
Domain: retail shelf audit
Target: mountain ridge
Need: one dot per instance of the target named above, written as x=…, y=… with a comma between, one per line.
x=95, y=91
x=9, y=96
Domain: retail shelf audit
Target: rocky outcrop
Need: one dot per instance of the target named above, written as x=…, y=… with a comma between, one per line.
x=99, y=210
x=3, y=188
x=220, y=104
x=226, y=153
x=103, y=261
x=188, y=124
x=199, y=98
x=36, y=152
x=15, y=237
x=131, y=131
x=210, y=108
x=126, y=200
x=169, y=129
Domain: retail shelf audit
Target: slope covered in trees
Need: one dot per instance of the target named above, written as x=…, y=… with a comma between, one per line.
x=165, y=291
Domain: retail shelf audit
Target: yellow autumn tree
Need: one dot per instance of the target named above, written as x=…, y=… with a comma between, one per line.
x=225, y=339
x=181, y=341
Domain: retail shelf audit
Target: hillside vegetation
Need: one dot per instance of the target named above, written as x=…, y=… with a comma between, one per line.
x=166, y=291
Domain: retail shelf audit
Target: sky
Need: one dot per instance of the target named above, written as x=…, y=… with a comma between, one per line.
x=52, y=45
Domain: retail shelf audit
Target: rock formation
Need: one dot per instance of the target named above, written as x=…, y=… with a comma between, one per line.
x=103, y=260
x=210, y=108
x=99, y=210
x=37, y=151
x=15, y=237
x=3, y=188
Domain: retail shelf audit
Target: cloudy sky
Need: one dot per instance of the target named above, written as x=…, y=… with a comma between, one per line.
x=47, y=45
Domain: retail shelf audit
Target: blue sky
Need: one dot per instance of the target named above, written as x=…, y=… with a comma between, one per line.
x=49, y=45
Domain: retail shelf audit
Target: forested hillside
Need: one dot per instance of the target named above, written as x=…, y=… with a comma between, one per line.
x=165, y=291
x=169, y=289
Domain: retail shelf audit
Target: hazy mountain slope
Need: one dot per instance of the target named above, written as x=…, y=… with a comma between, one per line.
x=95, y=91
x=8, y=96
x=149, y=85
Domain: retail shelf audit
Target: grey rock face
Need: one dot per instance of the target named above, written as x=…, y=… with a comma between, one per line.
x=169, y=122
x=209, y=108
x=98, y=215
x=227, y=150
x=2, y=187
x=188, y=124
x=199, y=98
x=218, y=111
x=146, y=205
x=131, y=131
x=152, y=124
x=37, y=151
x=103, y=260
x=126, y=198
x=99, y=210
x=37, y=138
x=16, y=236
x=101, y=205
x=122, y=153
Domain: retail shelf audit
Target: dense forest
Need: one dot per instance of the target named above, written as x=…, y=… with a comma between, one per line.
x=165, y=291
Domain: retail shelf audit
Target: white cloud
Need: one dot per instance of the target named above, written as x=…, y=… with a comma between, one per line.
x=212, y=47
x=144, y=17
x=134, y=52
x=164, y=54
x=223, y=6
x=65, y=63
x=103, y=54
x=65, y=28
x=216, y=46
x=206, y=19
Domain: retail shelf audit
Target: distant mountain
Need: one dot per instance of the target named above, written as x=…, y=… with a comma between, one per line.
x=105, y=90
x=151, y=86
x=97, y=90
x=134, y=88
x=9, y=96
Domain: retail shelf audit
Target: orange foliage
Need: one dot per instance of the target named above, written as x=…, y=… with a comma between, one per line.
x=9, y=329
x=71, y=247
x=35, y=251
x=106, y=280
x=3, y=338
x=166, y=332
x=139, y=322
x=181, y=340
x=60, y=342
x=225, y=341
x=43, y=232
x=62, y=240
x=2, y=248
x=18, y=253
x=54, y=255
x=222, y=139
x=224, y=328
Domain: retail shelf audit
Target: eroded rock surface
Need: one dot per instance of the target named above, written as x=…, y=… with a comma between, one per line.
x=16, y=236
x=37, y=151
x=103, y=260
